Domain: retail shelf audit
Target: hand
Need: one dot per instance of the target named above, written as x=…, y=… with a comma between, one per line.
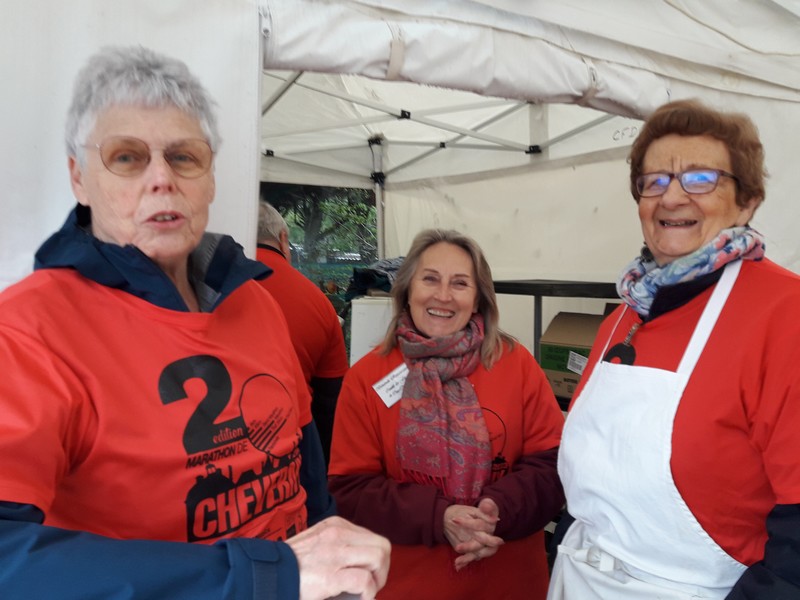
x=470, y=529
x=335, y=556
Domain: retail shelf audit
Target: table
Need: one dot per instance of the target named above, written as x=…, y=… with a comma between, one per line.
x=550, y=287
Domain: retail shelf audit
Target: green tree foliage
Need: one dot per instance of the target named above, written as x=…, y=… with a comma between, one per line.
x=330, y=224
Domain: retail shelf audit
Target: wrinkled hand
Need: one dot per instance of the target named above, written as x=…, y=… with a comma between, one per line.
x=470, y=530
x=335, y=556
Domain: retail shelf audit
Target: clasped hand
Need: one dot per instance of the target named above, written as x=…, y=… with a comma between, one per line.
x=470, y=530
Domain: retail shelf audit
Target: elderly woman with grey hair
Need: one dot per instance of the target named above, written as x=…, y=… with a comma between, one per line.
x=139, y=410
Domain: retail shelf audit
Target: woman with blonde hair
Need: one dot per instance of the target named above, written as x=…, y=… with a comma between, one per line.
x=446, y=436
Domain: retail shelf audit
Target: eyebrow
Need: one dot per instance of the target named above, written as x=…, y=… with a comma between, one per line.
x=689, y=167
x=430, y=270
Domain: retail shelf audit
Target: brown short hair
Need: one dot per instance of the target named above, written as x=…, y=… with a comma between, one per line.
x=691, y=117
x=494, y=337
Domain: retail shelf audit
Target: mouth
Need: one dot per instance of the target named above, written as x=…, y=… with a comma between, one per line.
x=677, y=223
x=165, y=217
x=440, y=312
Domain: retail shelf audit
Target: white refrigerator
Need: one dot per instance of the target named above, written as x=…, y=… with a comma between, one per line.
x=369, y=318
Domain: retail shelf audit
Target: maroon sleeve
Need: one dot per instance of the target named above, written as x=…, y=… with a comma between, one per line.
x=377, y=503
x=528, y=497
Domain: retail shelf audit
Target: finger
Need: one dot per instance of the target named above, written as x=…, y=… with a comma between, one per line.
x=489, y=507
x=463, y=560
x=469, y=547
x=478, y=518
x=354, y=583
x=476, y=524
x=486, y=539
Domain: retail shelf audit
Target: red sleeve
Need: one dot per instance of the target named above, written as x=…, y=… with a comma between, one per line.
x=333, y=360
x=357, y=480
x=531, y=493
x=376, y=502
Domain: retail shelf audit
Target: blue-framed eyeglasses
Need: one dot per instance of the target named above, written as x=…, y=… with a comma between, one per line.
x=693, y=181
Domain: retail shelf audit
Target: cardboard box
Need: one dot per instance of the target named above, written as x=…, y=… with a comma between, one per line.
x=564, y=349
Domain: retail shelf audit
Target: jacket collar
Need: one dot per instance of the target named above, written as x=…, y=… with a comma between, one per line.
x=217, y=266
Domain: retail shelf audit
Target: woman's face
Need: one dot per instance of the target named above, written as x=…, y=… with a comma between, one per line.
x=443, y=292
x=677, y=223
x=158, y=211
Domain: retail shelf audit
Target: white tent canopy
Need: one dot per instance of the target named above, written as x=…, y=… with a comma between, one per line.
x=479, y=88
x=528, y=155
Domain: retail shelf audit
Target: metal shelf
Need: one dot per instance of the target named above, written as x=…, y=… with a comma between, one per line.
x=539, y=288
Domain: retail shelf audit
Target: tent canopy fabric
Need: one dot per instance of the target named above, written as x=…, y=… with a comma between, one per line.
x=512, y=120
x=508, y=120
x=625, y=57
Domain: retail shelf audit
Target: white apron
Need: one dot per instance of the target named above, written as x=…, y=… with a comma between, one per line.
x=634, y=537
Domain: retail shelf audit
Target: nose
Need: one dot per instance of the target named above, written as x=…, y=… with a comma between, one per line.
x=443, y=292
x=161, y=177
x=674, y=195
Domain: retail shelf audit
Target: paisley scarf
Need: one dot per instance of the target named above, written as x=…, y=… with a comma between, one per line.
x=442, y=438
x=642, y=278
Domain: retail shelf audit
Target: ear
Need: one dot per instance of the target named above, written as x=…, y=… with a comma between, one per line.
x=76, y=180
x=746, y=213
x=283, y=240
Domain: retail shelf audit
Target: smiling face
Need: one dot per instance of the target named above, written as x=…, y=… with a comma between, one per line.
x=443, y=293
x=159, y=212
x=677, y=223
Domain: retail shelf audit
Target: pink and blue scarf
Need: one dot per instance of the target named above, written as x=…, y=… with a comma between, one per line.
x=642, y=278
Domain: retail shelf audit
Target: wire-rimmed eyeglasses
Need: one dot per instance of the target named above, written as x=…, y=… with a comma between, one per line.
x=693, y=181
x=129, y=156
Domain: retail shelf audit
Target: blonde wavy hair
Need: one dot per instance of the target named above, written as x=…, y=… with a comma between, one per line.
x=494, y=338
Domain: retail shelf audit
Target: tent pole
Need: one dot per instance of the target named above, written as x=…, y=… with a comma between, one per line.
x=380, y=219
x=379, y=177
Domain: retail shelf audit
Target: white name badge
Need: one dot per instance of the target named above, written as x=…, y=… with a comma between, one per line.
x=390, y=388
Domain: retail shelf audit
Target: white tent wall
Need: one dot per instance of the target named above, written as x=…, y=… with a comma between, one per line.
x=579, y=222
x=575, y=222
x=42, y=46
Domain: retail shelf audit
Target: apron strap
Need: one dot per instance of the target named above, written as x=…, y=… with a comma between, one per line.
x=709, y=317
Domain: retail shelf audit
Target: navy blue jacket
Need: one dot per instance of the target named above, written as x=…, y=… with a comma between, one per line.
x=39, y=561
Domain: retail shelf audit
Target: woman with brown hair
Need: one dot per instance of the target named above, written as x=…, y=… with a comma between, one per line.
x=446, y=436
x=680, y=451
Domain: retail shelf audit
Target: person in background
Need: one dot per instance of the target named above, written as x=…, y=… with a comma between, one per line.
x=681, y=455
x=314, y=326
x=140, y=410
x=446, y=436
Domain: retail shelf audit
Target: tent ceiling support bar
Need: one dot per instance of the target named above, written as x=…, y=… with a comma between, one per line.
x=387, y=117
x=441, y=147
x=470, y=133
x=271, y=154
x=576, y=131
x=317, y=149
x=405, y=114
x=457, y=145
x=280, y=92
x=348, y=97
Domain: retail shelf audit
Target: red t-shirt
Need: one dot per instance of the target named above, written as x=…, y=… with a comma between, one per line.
x=133, y=421
x=314, y=327
x=735, y=442
x=523, y=418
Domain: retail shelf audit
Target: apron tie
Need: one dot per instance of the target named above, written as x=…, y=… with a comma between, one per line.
x=593, y=556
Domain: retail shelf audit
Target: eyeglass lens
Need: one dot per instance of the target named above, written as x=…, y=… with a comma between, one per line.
x=128, y=156
x=699, y=181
